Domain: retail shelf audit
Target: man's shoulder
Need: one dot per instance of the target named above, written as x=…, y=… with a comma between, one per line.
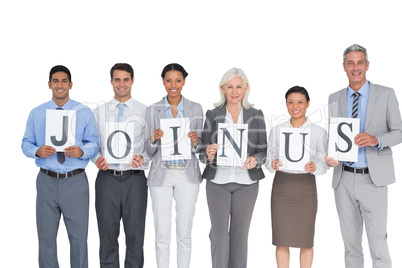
x=337, y=94
x=380, y=88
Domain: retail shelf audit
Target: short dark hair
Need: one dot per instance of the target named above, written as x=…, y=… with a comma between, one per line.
x=59, y=68
x=122, y=67
x=297, y=89
x=174, y=67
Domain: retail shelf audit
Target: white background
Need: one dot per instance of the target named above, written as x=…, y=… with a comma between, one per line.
x=278, y=44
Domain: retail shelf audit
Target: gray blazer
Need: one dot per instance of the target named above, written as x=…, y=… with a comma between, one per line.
x=384, y=121
x=153, y=115
x=257, y=139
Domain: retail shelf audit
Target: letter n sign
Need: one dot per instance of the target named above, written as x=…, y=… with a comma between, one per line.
x=176, y=144
x=118, y=142
x=342, y=133
x=60, y=129
x=294, y=148
x=233, y=142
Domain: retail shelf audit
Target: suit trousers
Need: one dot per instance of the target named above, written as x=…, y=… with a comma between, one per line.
x=232, y=203
x=70, y=197
x=359, y=201
x=176, y=185
x=121, y=198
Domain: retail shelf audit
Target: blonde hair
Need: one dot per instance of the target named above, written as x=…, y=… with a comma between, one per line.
x=229, y=75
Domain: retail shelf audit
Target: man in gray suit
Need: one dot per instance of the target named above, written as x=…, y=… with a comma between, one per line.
x=361, y=187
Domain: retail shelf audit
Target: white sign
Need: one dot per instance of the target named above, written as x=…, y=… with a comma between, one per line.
x=60, y=129
x=342, y=133
x=176, y=145
x=233, y=141
x=119, y=142
x=294, y=148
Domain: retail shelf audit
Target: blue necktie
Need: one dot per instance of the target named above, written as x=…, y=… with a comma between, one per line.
x=121, y=107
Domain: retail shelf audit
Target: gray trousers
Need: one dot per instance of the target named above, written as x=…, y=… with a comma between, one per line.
x=70, y=197
x=121, y=197
x=231, y=206
x=359, y=201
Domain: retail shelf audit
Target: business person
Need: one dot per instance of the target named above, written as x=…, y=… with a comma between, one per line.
x=232, y=191
x=121, y=189
x=361, y=187
x=61, y=184
x=173, y=179
x=294, y=192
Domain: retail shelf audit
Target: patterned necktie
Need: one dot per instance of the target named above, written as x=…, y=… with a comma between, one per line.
x=355, y=109
x=60, y=155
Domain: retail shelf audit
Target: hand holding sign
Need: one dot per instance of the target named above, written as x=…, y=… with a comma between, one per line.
x=101, y=163
x=45, y=151
x=137, y=161
x=364, y=139
x=211, y=151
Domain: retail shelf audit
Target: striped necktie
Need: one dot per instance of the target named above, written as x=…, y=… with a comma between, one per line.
x=355, y=107
x=355, y=110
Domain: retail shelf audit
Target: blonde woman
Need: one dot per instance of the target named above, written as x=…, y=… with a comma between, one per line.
x=232, y=191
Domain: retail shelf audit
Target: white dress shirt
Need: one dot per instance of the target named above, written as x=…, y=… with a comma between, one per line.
x=318, y=144
x=134, y=112
x=225, y=174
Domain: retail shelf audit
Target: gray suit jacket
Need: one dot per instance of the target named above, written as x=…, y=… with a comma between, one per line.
x=153, y=115
x=384, y=121
x=257, y=139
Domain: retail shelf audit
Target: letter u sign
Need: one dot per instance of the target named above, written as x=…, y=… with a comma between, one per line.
x=293, y=148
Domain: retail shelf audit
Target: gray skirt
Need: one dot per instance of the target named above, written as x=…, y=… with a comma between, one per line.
x=293, y=210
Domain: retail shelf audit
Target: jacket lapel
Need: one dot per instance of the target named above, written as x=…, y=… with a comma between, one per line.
x=371, y=104
x=342, y=103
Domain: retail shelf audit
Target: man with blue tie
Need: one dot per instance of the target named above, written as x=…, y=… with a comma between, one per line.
x=121, y=188
x=360, y=187
x=62, y=185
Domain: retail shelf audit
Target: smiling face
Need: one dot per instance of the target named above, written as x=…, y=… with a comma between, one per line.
x=173, y=83
x=60, y=86
x=234, y=90
x=122, y=83
x=297, y=105
x=356, y=66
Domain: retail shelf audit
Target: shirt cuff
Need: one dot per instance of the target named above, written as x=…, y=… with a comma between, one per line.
x=379, y=143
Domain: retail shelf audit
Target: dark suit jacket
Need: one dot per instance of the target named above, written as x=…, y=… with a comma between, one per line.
x=257, y=139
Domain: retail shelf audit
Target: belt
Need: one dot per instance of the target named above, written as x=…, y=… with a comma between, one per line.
x=179, y=167
x=123, y=172
x=356, y=170
x=61, y=175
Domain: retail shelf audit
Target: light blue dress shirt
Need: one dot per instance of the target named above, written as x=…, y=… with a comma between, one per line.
x=86, y=136
x=362, y=113
x=168, y=114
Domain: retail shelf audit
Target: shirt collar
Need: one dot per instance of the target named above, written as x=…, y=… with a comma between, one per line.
x=179, y=107
x=66, y=106
x=129, y=102
x=305, y=125
x=364, y=90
